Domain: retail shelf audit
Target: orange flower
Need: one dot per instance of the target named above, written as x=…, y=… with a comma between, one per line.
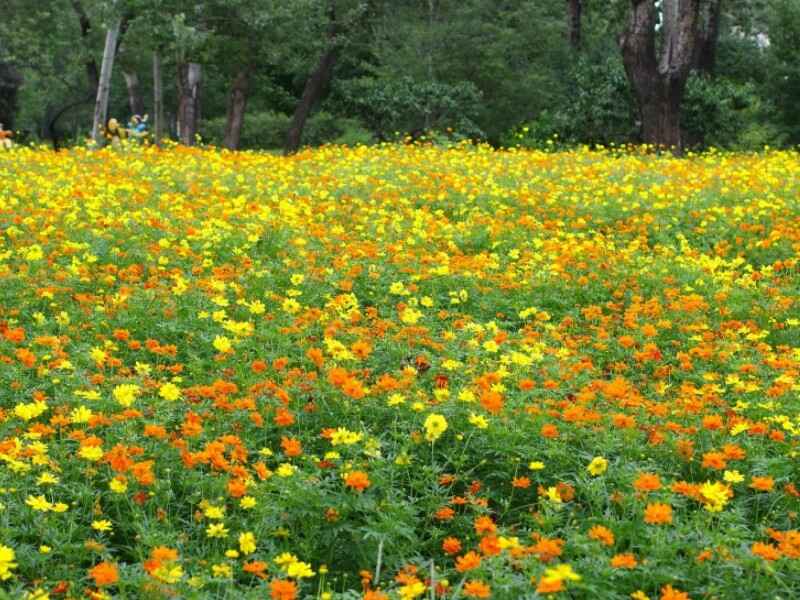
x=104, y=573
x=451, y=545
x=471, y=560
x=490, y=545
x=658, y=513
x=670, y=593
x=375, y=595
x=281, y=589
x=492, y=401
x=704, y=556
x=291, y=446
x=477, y=589
x=762, y=484
x=358, y=480
x=546, y=549
x=549, y=431
x=602, y=534
x=549, y=586
x=647, y=482
x=714, y=460
x=624, y=561
x=765, y=551
x=521, y=482
x=255, y=568
x=445, y=513
x=484, y=524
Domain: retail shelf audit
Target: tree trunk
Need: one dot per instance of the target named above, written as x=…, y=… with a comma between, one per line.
x=661, y=116
x=10, y=82
x=659, y=82
x=574, y=9
x=189, y=77
x=315, y=85
x=311, y=94
x=104, y=88
x=237, y=103
x=135, y=99
x=705, y=58
x=92, y=72
x=158, y=99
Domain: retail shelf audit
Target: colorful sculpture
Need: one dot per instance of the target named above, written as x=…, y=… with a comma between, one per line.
x=137, y=126
x=115, y=133
x=5, y=138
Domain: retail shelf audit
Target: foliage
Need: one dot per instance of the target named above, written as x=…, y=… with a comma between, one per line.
x=723, y=114
x=600, y=110
x=391, y=108
x=268, y=130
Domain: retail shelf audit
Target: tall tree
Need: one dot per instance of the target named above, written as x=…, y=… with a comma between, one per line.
x=135, y=98
x=10, y=82
x=315, y=84
x=189, y=79
x=237, y=103
x=104, y=87
x=658, y=79
x=158, y=98
x=705, y=54
x=574, y=10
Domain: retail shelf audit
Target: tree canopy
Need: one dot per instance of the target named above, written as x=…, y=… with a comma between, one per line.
x=275, y=73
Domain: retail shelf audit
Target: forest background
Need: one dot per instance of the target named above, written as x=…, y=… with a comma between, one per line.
x=272, y=74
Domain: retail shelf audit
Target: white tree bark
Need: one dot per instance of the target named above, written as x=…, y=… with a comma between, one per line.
x=158, y=99
x=104, y=88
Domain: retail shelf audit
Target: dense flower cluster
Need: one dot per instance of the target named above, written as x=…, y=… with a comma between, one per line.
x=399, y=372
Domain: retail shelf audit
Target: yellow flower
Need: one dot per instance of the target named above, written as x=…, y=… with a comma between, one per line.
x=291, y=306
x=536, y=465
x=169, y=391
x=216, y=530
x=102, y=525
x=435, y=426
x=733, y=476
x=343, y=436
x=47, y=479
x=92, y=453
x=598, y=466
x=560, y=573
x=214, y=512
x=222, y=344
x=478, y=421
x=126, y=393
x=552, y=494
x=39, y=503
x=409, y=316
x=222, y=571
x=247, y=542
x=299, y=570
x=412, y=590
x=169, y=573
x=285, y=558
x=247, y=502
x=285, y=470
x=7, y=563
x=118, y=486
x=715, y=495
x=80, y=414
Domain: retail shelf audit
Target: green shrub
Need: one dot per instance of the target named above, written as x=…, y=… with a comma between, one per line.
x=721, y=113
x=397, y=107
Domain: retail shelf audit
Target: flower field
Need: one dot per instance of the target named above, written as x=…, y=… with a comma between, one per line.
x=399, y=372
